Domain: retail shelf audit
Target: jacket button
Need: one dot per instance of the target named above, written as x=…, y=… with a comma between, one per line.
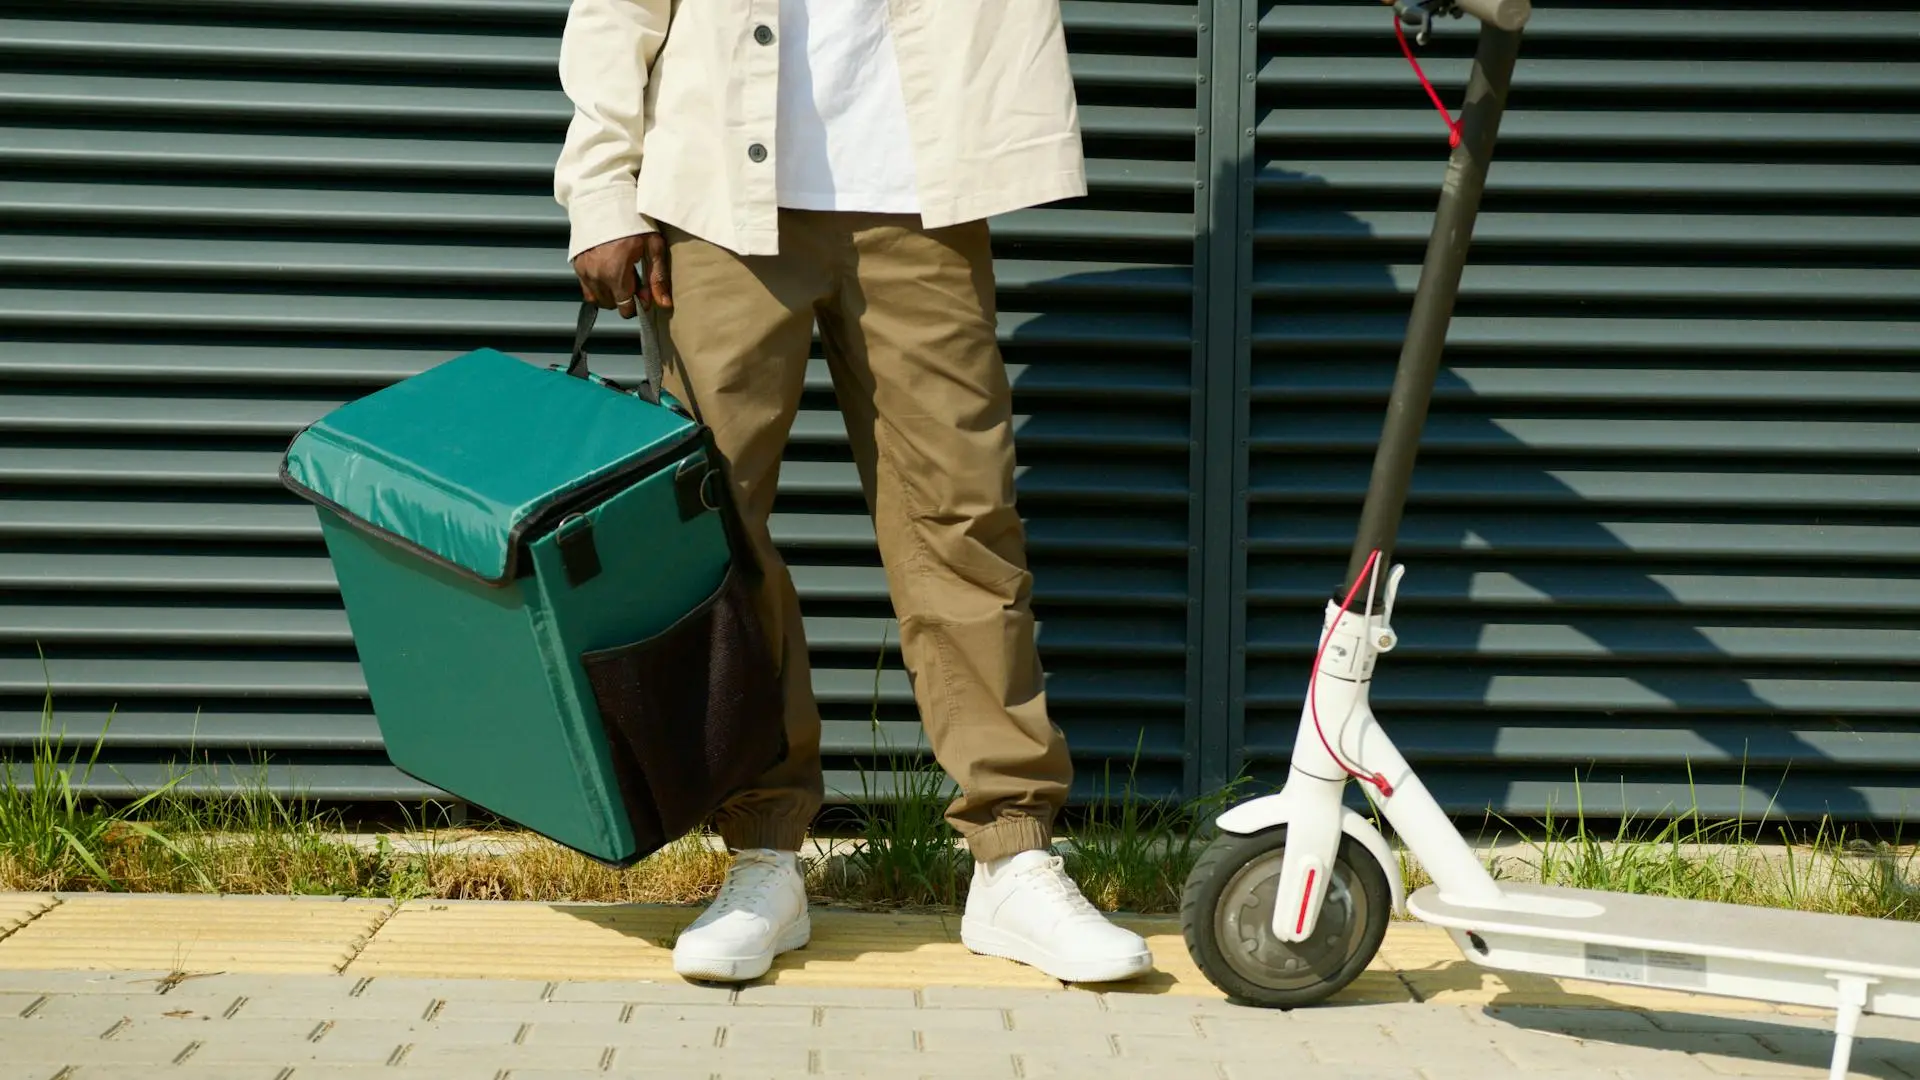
x=763, y=35
x=757, y=152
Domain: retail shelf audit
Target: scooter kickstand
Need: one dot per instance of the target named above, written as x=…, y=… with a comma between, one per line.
x=1846, y=1021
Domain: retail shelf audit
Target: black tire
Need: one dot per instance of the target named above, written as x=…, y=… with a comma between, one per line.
x=1225, y=913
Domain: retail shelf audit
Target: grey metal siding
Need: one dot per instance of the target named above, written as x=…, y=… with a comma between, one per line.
x=1666, y=515
x=222, y=219
x=1664, y=518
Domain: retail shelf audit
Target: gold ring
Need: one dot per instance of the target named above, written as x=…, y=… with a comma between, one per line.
x=628, y=300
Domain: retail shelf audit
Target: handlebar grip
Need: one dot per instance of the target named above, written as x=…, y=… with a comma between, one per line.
x=1505, y=14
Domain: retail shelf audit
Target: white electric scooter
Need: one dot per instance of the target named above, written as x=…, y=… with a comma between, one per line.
x=1291, y=901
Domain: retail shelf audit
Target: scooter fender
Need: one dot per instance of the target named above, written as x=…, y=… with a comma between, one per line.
x=1259, y=815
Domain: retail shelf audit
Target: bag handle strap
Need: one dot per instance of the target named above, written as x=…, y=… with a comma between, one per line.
x=651, y=358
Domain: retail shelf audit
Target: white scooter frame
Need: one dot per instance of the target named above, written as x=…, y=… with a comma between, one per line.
x=1849, y=964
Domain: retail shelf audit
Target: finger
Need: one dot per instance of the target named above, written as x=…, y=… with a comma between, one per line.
x=625, y=287
x=594, y=283
x=660, y=277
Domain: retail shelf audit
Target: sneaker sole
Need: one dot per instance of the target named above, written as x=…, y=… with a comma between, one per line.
x=989, y=941
x=742, y=968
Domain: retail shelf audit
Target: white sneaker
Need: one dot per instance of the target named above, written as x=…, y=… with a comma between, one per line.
x=760, y=913
x=1025, y=908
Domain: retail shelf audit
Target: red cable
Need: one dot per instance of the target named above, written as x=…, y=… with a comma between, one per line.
x=1313, y=685
x=1453, y=127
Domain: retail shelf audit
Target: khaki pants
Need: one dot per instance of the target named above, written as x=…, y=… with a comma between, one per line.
x=907, y=319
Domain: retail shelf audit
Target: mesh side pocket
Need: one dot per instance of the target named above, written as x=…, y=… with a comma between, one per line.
x=692, y=714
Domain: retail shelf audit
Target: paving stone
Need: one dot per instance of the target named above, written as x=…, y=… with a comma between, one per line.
x=838, y=996
x=717, y=1014
x=1192, y=1047
x=388, y=987
x=785, y=1062
x=639, y=991
x=66, y=1050
x=382, y=1072
x=391, y=1033
x=515, y=1058
x=1508, y=1071
x=185, y=1073
x=1803, y=1053
x=1051, y=1067
x=1730, y=1066
x=87, y=1025
x=211, y=1029
x=1056, y=1040
x=297, y=1053
x=242, y=984
x=1574, y=1021
x=291, y=1006
x=918, y=1020
x=1264, y=1070
x=1077, y=1002
x=845, y=1063
x=678, y=1035
x=1745, y=1023
x=84, y=1011
x=542, y=1012
x=881, y=1033
x=1675, y=1053
x=1140, y=1002
x=81, y=982
x=1327, y=1050
x=1171, y=1024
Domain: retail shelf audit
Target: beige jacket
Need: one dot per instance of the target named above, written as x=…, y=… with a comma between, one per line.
x=674, y=114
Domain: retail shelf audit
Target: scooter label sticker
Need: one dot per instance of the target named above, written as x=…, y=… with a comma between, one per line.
x=1614, y=964
x=1611, y=963
x=1677, y=969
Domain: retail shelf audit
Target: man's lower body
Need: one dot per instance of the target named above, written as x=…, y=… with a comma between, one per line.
x=907, y=318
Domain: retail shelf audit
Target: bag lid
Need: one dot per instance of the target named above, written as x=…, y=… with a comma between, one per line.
x=466, y=460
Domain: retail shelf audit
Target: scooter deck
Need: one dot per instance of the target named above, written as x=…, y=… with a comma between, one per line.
x=1690, y=945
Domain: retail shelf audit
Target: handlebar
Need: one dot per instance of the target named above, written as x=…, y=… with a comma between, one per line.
x=1501, y=14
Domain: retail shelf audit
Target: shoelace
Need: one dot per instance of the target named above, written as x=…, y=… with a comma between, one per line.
x=750, y=874
x=1052, y=880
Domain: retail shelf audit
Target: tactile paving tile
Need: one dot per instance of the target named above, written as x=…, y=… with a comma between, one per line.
x=194, y=934
x=19, y=909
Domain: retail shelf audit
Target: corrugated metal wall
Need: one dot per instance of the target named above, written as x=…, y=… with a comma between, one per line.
x=1665, y=512
x=223, y=218
x=1666, y=507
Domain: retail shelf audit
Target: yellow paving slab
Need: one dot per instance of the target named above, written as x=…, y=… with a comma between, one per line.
x=198, y=934
x=19, y=909
x=584, y=942
x=562, y=942
x=478, y=939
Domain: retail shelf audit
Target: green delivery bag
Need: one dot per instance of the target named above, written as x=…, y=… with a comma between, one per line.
x=550, y=595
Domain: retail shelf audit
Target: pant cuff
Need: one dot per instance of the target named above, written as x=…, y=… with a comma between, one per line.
x=1009, y=836
x=739, y=832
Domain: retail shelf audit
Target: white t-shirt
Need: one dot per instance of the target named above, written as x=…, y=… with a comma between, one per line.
x=842, y=141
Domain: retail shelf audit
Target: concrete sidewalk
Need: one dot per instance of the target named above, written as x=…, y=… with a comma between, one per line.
x=113, y=986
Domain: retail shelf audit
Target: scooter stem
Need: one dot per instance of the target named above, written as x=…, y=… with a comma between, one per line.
x=1433, y=302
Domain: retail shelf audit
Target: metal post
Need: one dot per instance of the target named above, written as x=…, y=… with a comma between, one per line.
x=1433, y=304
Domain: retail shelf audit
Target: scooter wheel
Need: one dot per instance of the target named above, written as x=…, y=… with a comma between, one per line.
x=1226, y=912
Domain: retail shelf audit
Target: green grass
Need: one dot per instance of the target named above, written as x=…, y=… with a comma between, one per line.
x=1128, y=851
x=1134, y=854
x=1687, y=855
